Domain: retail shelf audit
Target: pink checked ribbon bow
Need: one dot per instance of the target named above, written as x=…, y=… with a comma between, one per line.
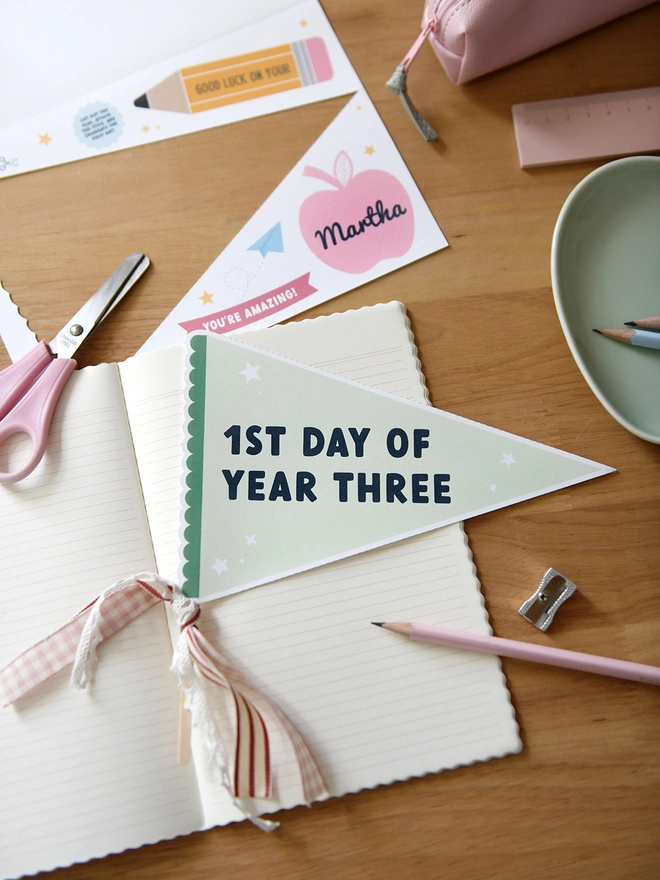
x=211, y=683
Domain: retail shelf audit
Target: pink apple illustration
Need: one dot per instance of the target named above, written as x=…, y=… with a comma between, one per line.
x=363, y=219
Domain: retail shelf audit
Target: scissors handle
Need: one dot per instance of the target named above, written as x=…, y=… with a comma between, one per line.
x=34, y=410
x=16, y=379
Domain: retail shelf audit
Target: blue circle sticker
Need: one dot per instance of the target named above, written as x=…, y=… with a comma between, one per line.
x=98, y=125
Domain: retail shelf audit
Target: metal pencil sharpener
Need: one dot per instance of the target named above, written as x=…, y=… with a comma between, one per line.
x=552, y=592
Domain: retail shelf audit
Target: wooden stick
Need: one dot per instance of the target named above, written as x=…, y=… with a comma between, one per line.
x=185, y=729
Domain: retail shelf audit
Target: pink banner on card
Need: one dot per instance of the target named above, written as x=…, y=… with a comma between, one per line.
x=253, y=309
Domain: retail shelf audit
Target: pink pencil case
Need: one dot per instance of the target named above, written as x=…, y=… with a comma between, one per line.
x=473, y=37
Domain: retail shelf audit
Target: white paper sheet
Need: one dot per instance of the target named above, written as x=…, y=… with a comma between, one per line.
x=112, y=117
x=51, y=54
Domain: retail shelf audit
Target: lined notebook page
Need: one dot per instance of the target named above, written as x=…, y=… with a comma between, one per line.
x=153, y=390
x=84, y=774
x=372, y=707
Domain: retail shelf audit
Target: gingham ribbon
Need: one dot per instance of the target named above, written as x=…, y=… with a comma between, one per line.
x=215, y=688
x=58, y=650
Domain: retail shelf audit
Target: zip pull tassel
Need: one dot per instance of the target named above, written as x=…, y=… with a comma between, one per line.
x=397, y=84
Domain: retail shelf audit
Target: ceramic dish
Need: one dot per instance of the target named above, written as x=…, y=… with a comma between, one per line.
x=606, y=271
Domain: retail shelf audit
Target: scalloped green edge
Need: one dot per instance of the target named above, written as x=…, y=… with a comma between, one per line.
x=192, y=533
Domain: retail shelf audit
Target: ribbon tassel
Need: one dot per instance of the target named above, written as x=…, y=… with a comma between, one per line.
x=397, y=83
x=213, y=663
x=234, y=717
x=247, y=764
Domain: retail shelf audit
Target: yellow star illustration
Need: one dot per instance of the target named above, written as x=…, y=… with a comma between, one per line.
x=145, y=128
x=206, y=297
x=45, y=138
x=303, y=22
x=370, y=150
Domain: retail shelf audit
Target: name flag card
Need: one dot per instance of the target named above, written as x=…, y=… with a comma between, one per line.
x=288, y=468
x=347, y=213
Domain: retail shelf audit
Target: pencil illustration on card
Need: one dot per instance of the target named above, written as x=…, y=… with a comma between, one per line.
x=241, y=78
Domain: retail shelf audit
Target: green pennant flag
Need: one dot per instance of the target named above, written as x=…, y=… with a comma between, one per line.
x=288, y=468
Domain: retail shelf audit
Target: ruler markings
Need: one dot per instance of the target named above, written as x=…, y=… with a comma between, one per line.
x=611, y=124
x=602, y=98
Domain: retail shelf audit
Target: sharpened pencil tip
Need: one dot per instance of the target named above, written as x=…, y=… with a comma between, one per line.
x=630, y=323
x=597, y=331
x=377, y=623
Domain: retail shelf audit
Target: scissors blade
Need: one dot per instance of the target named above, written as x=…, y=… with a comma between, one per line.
x=14, y=330
x=98, y=306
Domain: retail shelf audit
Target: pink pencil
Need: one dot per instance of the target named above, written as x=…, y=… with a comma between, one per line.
x=441, y=635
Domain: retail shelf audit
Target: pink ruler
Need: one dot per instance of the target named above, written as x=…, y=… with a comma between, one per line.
x=588, y=127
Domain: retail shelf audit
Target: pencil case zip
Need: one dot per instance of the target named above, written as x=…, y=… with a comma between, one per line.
x=474, y=37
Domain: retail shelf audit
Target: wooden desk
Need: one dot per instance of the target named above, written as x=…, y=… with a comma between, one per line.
x=583, y=798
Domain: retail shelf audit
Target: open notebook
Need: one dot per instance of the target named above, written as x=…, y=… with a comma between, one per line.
x=85, y=774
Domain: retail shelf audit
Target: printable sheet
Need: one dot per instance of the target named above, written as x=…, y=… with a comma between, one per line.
x=280, y=61
x=347, y=213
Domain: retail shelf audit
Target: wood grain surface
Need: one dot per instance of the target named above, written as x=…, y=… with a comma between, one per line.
x=583, y=798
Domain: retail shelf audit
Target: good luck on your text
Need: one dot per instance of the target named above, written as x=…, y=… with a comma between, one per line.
x=420, y=488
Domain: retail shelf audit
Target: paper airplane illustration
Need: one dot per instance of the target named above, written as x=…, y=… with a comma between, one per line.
x=335, y=469
x=270, y=241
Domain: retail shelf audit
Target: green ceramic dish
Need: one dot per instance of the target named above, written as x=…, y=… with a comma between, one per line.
x=606, y=271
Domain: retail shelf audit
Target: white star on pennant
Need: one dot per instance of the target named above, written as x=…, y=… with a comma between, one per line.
x=249, y=372
x=492, y=488
x=508, y=459
x=251, y=539
x=220, y=565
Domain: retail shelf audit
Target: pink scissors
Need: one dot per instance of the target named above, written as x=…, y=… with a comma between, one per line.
x=30, y=387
